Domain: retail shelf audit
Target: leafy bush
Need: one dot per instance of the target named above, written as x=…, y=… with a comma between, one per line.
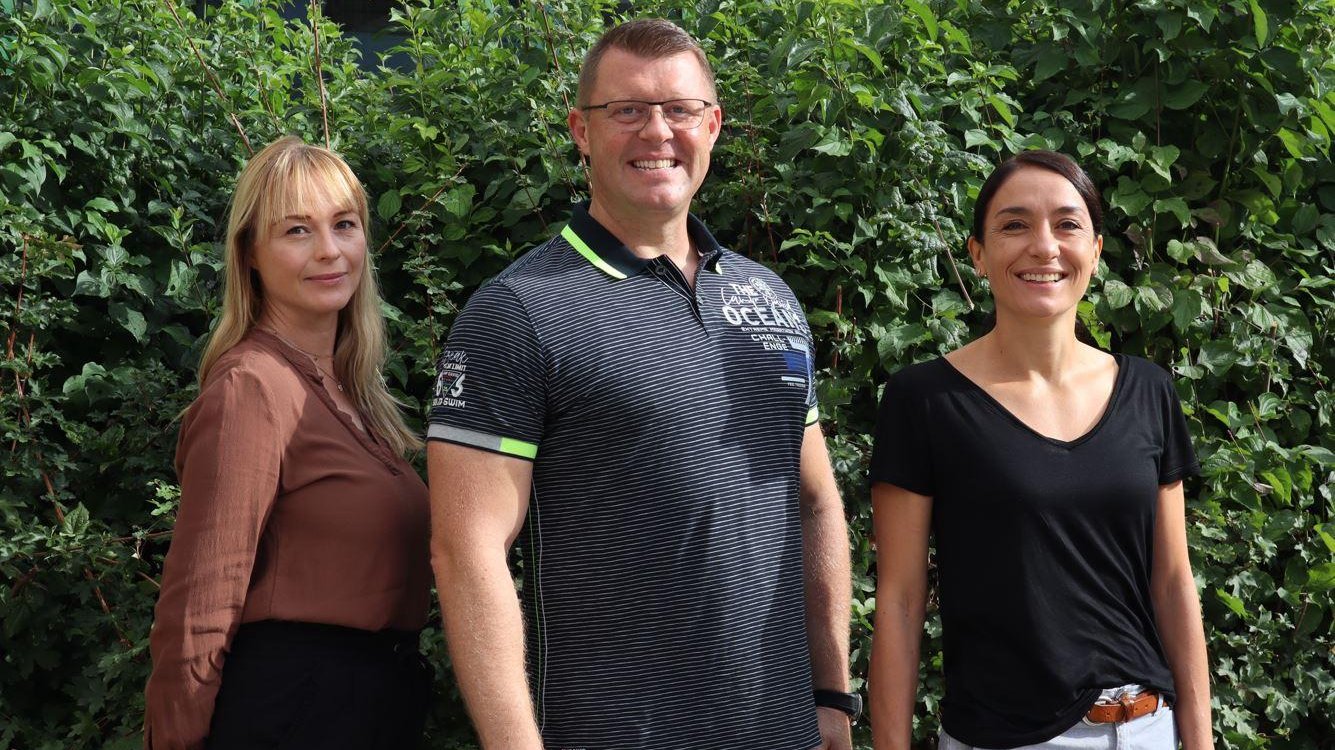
x=857, y=135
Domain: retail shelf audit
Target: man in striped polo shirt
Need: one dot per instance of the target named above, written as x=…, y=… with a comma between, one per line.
x=635, y=405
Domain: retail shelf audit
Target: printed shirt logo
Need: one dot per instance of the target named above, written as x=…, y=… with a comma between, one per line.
x=450, y=371
x=755, y=306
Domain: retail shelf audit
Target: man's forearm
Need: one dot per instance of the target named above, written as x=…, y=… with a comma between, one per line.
x=826, y=576
x=484, y=630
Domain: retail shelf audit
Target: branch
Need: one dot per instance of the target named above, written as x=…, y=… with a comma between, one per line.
x=319, y=68
x=953, y=268
x=213, y=79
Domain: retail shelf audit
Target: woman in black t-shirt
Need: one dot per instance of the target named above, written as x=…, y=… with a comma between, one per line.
x=1050, y=475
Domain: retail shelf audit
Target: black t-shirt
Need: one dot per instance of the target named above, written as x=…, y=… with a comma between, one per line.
x=1044, y=547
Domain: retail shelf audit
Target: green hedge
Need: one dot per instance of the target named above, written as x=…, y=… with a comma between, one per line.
x=856, y=135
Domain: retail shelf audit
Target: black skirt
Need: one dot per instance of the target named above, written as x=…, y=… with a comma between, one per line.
x=294, y=685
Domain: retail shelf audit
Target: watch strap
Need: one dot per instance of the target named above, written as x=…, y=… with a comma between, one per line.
x=849, y=703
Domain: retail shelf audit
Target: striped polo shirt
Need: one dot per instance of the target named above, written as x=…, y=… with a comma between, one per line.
x=662, y=552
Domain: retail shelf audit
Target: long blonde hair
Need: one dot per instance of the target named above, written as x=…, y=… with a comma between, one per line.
x=276, y=182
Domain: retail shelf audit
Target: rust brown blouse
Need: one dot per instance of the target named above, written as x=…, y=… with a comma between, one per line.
x=289, y=511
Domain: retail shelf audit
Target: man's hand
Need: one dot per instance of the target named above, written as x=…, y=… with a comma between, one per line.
x=836, y=731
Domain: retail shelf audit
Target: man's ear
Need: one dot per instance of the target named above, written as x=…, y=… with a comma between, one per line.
x=714, y=121
x=579, y=131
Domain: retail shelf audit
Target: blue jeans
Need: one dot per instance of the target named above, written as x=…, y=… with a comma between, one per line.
x=1155, y=731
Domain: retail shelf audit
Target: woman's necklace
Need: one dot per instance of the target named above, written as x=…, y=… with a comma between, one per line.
x=315, y=358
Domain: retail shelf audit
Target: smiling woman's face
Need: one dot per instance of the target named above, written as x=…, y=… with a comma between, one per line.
x=310, y=262
x=1038, y=249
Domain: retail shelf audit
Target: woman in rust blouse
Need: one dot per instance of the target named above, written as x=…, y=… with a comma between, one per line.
x=298, y=575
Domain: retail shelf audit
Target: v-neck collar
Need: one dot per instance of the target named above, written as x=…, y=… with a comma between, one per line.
x=1108, y=407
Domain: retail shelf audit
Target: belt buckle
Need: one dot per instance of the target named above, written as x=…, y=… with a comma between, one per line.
x=1124, y=701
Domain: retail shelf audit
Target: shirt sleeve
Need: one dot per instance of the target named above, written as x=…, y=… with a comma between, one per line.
x=491, y=379
x=1178, y=459
x=228, y=460
x=901, y=453
x=808, y=355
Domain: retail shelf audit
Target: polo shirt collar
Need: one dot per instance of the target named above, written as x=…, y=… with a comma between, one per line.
x=602, y=249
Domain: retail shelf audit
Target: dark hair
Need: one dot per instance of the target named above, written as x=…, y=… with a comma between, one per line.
x=1051, y=161
x=652, y=38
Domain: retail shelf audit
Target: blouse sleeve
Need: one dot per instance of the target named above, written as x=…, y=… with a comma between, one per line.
x=1178, y=459
x=228, y=460
x=901, y=454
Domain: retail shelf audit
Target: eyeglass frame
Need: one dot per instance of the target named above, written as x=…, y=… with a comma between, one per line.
x=632, y=128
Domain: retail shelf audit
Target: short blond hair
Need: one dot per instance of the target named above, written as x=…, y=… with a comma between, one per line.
x=285, y=178
x=650, y=38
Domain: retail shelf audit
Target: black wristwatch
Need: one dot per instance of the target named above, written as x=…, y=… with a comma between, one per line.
x=849, y=703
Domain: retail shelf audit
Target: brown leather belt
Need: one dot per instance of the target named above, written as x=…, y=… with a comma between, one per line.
x=1123, y=709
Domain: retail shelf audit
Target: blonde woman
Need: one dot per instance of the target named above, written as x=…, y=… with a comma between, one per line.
x=298, y=576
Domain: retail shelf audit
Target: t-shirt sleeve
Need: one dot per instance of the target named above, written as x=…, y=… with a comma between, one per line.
x=1178, y=459
x=491, y=385
x=901, y=453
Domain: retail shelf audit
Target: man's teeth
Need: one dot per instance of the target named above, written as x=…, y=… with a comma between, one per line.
x=1041, y=276
x=654, y=164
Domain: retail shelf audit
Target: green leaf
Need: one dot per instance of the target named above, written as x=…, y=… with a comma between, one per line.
x=459, y=200
x=1256, y=275
x=1321, y=577
x=1325, y=458
x=76, y=521
x=1152, y=298
x=1117, y=294
x=1208, y=252
x=1170, y=25
x=1232, y=602
x=1162, y=158
x=1185, y=94
x=924, y=13
x=1129, y=198
x=1280, y=481
x=1260, y=23
x=1002, y=109
x=977, y=138
x=1051, y=61
x=1327, y=539
x=1293, y=143
x=100, y=204
x=832, y=144
x=129, y=318
x=1175, y=206
x=1305, y=219
x=1188, y=305
x=1203, y=14
x=898, y=338
x=388, y=205
x=1179, y=251
x=1217, y=356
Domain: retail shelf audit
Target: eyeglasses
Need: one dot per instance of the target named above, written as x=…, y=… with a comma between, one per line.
x=679, y=114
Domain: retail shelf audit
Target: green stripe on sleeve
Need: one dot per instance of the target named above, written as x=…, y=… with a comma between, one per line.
x=519, y=448
x=813, y=416
x=589, y=254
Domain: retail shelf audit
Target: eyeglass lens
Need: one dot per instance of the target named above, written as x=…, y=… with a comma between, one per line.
x=680, y=114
